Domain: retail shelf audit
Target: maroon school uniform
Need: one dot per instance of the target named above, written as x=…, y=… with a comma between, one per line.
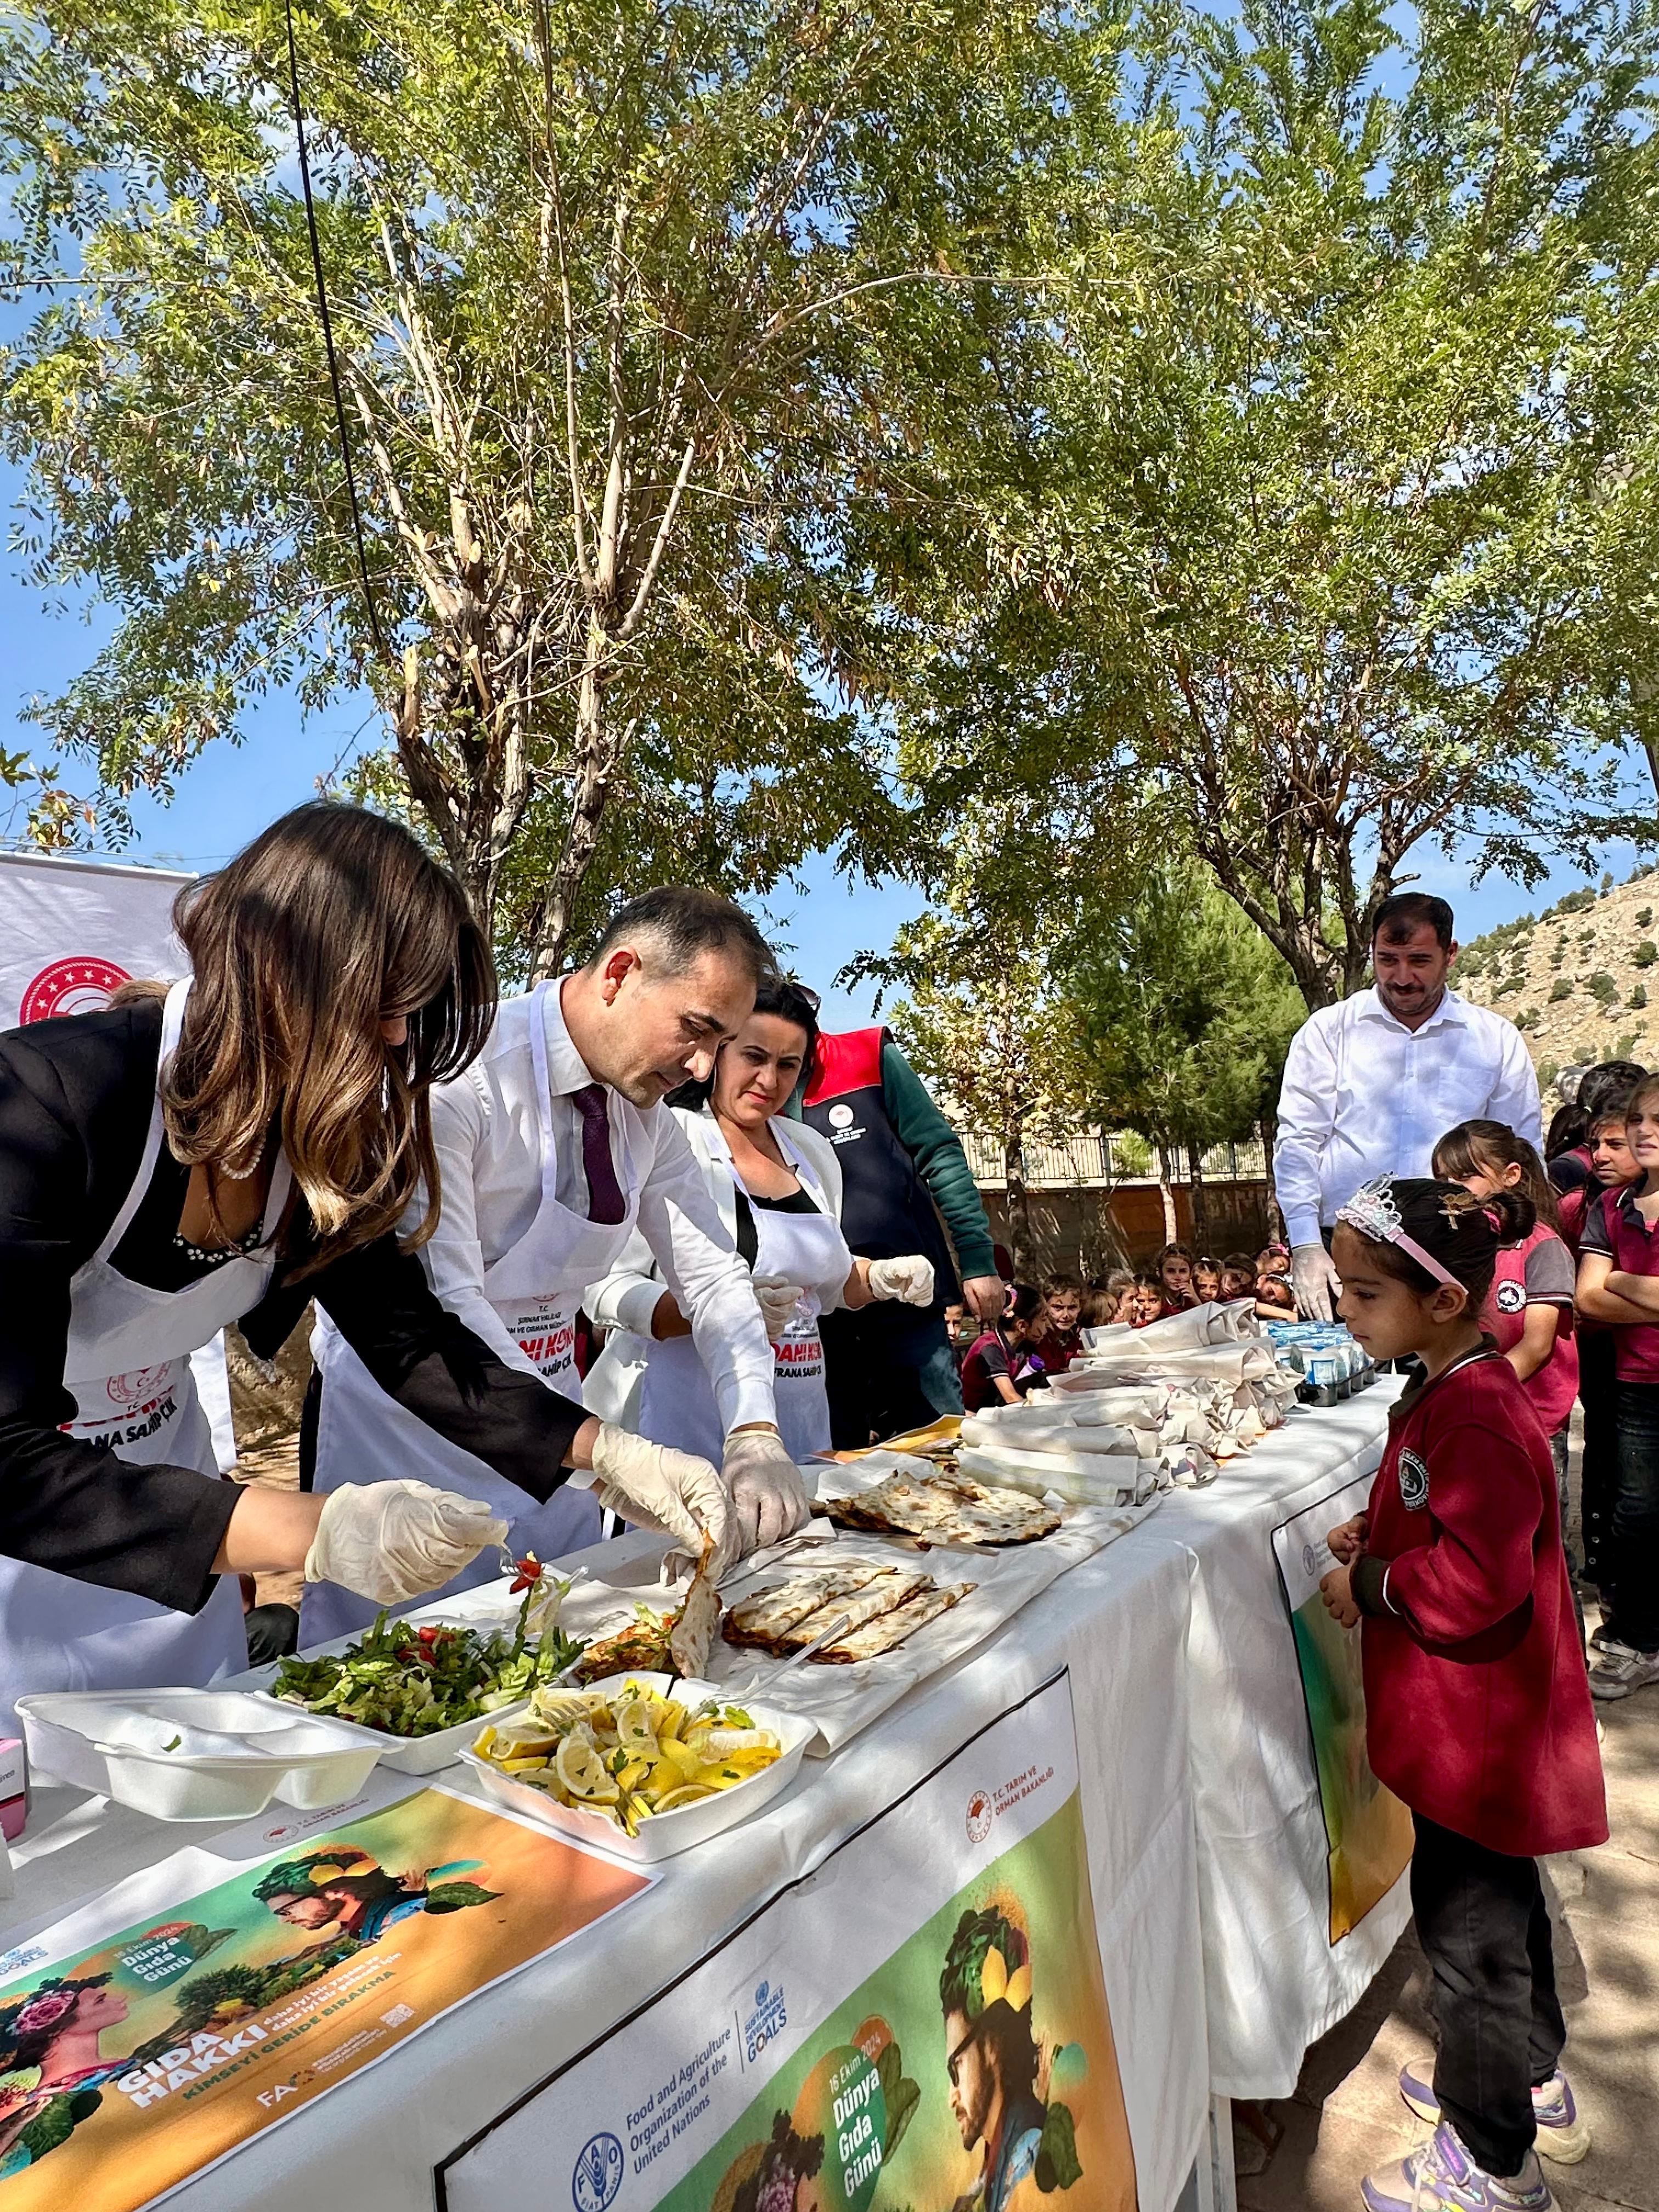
x=1538, y=1271
x=1615, y=1226
x=1477, y=1705
x=1058, y=1349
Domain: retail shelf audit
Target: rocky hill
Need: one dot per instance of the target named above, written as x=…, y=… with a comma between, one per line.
x=1580, y=981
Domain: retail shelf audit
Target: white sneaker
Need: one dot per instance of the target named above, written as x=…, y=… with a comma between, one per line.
x=1619, y=1670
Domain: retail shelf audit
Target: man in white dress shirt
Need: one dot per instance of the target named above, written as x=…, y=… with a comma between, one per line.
x=553, y=1146
x=1373, y=1083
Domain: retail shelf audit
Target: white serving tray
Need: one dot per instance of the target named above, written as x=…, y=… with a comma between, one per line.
x=405, y=1754
x=665, y=1834
x=110, y=1742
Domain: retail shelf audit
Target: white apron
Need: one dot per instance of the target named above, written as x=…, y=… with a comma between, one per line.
x=127, y=1366
x=536, y=1286
x=677, y=1403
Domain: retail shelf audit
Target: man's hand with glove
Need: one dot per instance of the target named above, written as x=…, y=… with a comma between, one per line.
x=393, y=1541
x=769, y=1498
x=777, y=1301
x=655, y=1486
x=909, y=1279
x=1316, y=1282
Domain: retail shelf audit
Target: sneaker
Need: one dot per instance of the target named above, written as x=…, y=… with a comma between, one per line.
x=1619, y=1670
x=1440, y=2176
x=1564, y=2134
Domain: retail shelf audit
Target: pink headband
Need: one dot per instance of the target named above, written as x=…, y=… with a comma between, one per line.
x=1374, y=1211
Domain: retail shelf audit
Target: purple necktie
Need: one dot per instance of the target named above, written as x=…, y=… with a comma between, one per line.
x=604, y=1197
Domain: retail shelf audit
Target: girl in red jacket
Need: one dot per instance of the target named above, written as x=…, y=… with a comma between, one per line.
x=1478, y=1709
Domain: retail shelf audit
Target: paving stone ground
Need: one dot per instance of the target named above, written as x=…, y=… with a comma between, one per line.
x=1347, y=2115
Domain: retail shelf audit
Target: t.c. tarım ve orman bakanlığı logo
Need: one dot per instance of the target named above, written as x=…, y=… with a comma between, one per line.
x=84, y=984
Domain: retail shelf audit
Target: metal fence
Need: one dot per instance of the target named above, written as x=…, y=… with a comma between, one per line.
x=1092, y=1157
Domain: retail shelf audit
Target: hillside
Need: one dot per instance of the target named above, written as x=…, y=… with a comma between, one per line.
x=1580, y=981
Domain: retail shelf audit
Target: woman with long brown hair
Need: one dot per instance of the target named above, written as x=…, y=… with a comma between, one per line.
x=223, y=1150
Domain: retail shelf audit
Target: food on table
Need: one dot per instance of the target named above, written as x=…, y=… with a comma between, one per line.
x=409, y=1681
x=643, y=1644
x=627, y=1752
x=878, y=1606
x=698, y=1618
x=888, y=1630
x=941, y=1509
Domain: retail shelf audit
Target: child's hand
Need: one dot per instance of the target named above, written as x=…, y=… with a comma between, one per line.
x=1338, y=1594
x=1348, y=1540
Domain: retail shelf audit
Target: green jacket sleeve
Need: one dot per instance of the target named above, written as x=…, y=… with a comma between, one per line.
x=935, y=1147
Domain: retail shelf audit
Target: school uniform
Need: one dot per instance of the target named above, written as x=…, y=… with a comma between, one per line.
x=1615, y=1227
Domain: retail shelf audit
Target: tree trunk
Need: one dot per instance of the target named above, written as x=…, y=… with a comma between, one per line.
x=1166, y=1192
x=1201, y=1198
x=1018, y=1202
x=1275, y=1212
x=598, y=750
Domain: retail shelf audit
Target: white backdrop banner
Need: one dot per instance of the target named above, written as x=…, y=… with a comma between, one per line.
x=72, y=932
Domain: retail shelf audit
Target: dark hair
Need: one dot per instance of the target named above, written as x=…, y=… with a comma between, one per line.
x=1464, y=1233
x=1148, y=1278
x=1568, y=1129
x=1472, y=1146
x=1400, y=917
x=1061, y=1284
x=1605, y=1088
x=1026, y=1305
x=1171, y=1252
x=1275, y=1290
x=785, y=2162
x=790, y=1001
x=685, y=922
x=1240, y=1263
x=28, y=2046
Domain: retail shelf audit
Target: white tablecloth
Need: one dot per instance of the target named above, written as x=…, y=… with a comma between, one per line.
x=1274, y=1980
x=1119, y=1621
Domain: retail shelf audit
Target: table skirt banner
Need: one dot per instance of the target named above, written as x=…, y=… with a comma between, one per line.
x=156, y=2032
x=1273, y=1980
x=929, y=2000
x=1368, y=1831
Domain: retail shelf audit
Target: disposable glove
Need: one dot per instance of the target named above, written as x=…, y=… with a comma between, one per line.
x=910, y=1279
x=393, y=1541
x=1314, y=1280
x=777, y=1301
x=769, y=1498
x=655, y=1486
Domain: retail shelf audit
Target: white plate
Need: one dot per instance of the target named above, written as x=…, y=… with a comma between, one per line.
x=664, y=1834
x=111, y=1744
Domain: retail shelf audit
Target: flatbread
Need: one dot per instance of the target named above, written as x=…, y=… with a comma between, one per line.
x=641, y=1648
x=769, y=1613
x=940, y=1509
x=888, y=1630
x=694, y=1627
x=891, y=1588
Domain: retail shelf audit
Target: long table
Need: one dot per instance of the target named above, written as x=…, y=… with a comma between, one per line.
x=1206, y=1851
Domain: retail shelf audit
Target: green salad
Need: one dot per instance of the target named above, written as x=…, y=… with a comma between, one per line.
x=413, y=1681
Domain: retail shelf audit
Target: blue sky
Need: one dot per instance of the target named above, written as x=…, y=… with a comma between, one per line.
x=231, y=792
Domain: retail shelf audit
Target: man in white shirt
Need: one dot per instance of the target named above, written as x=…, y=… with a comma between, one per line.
x=1373, y=1083
x=552, y=1147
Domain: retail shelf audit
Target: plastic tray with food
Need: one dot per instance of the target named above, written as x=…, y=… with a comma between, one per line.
x=642, y=1764
x=195, y=1754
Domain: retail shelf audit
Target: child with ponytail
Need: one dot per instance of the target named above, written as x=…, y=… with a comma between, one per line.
x=1477, y=1709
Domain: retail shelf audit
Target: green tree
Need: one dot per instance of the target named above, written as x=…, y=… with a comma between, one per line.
x=609, y=289
x=1185, y=1014
x=1326, y=492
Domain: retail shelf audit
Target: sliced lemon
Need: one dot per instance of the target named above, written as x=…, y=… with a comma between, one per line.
x=514, y=1766
x=579, y=1768
x=634, y=1728
x=484, y=1743
x=683, y=1759
x=689, y=1792
x=671, y=1721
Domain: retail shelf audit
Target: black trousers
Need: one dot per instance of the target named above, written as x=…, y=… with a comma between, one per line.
x=1635, y=1572
x=1597, y=1387
x=1485, y=1929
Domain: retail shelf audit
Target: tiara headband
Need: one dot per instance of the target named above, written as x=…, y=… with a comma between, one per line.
x=1374, y=1213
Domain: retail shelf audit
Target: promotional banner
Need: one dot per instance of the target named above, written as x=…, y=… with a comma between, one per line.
x=1368, y=1831
x=193, y=2021
x=920, y=2024
x=72, y=932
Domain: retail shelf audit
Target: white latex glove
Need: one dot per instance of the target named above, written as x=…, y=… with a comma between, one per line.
x=777, y=1301
x=655, y=1486
x=910, y=1279
x=769, y=1498
x=393, y=1541
x=1314, y=1280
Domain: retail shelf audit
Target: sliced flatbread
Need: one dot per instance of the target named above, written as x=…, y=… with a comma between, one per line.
x=769, y=1613
x=940, y=1509
x=693, y=1631
x=888, y=1630
x=642, y=1646
x=888, y=1590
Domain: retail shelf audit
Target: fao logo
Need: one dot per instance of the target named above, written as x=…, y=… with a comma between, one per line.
x=1309, y=1558
x=840, y=1117
x=979, y=1816
x=598, y=2174
x=84, y=985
